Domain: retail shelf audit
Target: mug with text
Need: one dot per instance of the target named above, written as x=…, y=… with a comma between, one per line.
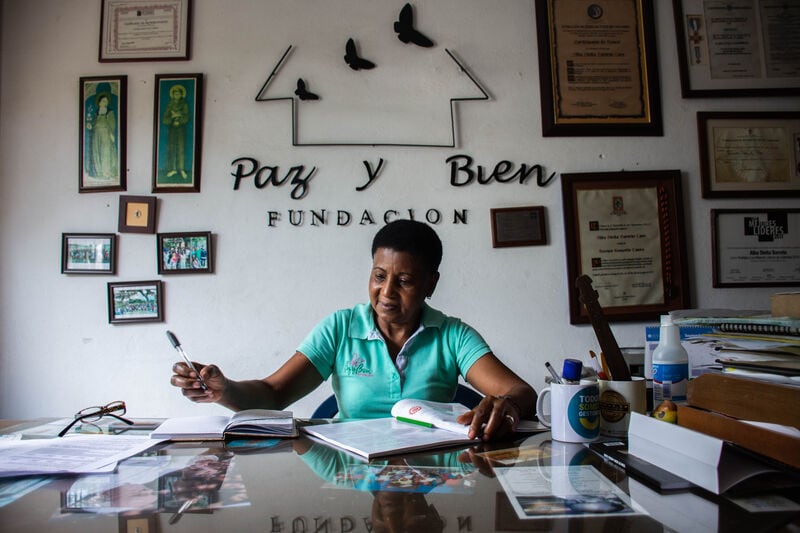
x=618, y=399
x=574, y=414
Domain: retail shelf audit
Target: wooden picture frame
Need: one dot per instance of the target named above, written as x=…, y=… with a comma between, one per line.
x=749, y=154
x=135, y=301
x=755, y=247
x=145, y=30
x=518, y=226
x=177, y=132
x=88, y=253
x=598, y=68
x=102, y=133
x=137, y=214
x=713, y=64
x=625, y=230
x=185, y=253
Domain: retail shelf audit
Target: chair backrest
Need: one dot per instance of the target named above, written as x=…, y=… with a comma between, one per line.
x=464, y=395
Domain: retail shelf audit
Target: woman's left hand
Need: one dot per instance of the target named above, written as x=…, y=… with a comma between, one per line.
x=493, y=418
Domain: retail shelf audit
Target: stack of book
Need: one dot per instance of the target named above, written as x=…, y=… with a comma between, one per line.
x=759, y=345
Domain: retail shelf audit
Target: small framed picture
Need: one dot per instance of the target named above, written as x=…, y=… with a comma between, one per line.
x=88, y=253
x=135, y=301
x=518, y=226
x=102, y=136
x=137, y=214
x=185, y=253
x=177, y=132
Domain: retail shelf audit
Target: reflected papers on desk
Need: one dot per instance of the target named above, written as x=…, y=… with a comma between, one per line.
x=562, y=491
x=80, y=454
x=178, y=484
x=405, y=478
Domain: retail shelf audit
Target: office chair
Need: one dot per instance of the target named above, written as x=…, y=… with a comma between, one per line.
x=464, y=395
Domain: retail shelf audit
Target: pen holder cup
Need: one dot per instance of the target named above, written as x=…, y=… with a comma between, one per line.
x=618, y=399
x=574, y=411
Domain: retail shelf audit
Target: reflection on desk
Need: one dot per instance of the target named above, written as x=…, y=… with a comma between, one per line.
x=302, y=485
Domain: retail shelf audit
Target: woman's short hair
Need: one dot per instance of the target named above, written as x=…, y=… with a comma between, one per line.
x=410, y=236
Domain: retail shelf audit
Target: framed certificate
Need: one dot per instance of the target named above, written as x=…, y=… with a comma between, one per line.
x=144, y=30
x=755, y=247
x=518, y=226
x=598, y=70
x=737, y=47
x=625, y=231
x=749, y=154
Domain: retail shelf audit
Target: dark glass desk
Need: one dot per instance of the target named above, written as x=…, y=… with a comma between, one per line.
x=298, y=485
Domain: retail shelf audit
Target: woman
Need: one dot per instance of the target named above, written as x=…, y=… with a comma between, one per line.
x=394, y=347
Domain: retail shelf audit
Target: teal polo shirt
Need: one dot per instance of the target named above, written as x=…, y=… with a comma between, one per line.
x=348, y=346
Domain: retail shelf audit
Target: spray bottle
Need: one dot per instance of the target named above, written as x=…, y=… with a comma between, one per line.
x=670, y=364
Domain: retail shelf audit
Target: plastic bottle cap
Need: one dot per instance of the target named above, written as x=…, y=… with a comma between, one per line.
x=666, y=320
x=572, y=370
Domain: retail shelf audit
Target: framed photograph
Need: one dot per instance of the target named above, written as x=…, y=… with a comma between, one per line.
x=177, y=132
x=736, y=48
x=598, y=69
x=88, y=253
x=102, y=128
x=135, y=301
x=518, y=226
x=137, y=214
x=625, y=231
x=185, y=253
x=144, y=30
x=755, y=247
x=746, y=155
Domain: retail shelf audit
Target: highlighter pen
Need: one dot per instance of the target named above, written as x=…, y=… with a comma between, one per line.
x=416, y=422
x=553, y=373
x=176, y=343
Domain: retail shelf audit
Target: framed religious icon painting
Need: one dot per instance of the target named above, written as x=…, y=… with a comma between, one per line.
x=144, y=30
x=625, y=231
x=135, y=301
x=598, y=68
x=102, y=129
x=746, y=155
x=177, y=128
x=737, y=47
x=137, y=214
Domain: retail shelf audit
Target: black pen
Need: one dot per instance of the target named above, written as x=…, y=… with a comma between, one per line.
x=177, y=344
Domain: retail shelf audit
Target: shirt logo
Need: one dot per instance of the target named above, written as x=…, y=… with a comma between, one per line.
x=357, y=366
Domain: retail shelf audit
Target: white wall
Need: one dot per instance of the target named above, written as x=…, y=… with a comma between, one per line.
x=57, y=351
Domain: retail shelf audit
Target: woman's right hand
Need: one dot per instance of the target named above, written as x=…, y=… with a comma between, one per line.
x=185, y=379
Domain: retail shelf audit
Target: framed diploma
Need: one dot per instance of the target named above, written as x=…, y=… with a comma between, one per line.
x=755, y=247
x=625, y=231
x=737, y=47
x=749, y=154
x=598, y=70
x=518, y=226
x=144, y=30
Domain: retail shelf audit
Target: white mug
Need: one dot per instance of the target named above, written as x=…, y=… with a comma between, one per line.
x=574, y=411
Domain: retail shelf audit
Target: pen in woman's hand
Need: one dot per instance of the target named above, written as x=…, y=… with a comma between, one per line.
x=176, y=343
